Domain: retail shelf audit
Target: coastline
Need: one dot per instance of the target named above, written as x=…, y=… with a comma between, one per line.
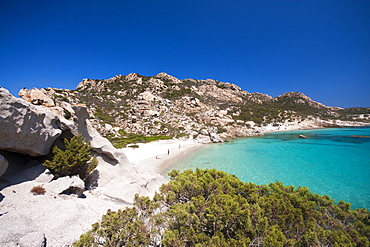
x=159, y=156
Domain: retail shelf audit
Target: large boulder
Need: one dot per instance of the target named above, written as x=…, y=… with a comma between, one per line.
x=25, y=128
x=205, y=139
x=98, y=143
x=36, y=97
x=215, y=138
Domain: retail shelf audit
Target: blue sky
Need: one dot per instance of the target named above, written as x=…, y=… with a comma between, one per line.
x=318, y=47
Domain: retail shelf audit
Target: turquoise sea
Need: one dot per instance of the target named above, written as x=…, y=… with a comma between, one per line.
x=335, y=162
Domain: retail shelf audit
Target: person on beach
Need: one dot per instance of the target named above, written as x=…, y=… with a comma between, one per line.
x=168, y=152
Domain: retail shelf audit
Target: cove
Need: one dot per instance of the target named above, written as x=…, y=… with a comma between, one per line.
x=335, y=162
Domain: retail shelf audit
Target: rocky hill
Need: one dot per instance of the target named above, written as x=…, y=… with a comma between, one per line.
x=135, y=107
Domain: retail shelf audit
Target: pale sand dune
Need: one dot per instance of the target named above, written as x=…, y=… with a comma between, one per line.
x=160, y=155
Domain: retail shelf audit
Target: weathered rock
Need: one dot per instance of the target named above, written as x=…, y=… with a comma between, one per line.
x=26, y=128
x=147, y=96
x=166, y=76
x=204, y=132
x=114, y=178
x=36, y=97
x=205, y=139
x=3, y=165
x=64, y=183
x=57, y=110
x=34, y=239
x=215, y=138
x=133, y=179
x=45, y=177
x=98, y=143
x=66, y=106
x=108, y=127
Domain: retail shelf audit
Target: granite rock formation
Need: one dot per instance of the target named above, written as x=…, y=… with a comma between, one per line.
x=59, y=215
x=26, y=128
x=189, y=108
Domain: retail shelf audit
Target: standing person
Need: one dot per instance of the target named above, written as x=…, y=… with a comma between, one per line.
x=168, y=152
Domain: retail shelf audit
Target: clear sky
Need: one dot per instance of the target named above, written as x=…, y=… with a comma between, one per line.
x=318, y=47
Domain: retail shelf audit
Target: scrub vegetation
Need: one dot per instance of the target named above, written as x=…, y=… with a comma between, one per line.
x=129, y=138
x=74, y=159
x=213, y=208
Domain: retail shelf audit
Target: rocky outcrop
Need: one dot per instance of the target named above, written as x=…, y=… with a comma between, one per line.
x=302, y=99
x=34, y=130
x=69, y=205
x=36, y=97
x=26, y=128
x=67, y=185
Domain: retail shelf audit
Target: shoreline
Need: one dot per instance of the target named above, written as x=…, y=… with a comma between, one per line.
x=160, y=155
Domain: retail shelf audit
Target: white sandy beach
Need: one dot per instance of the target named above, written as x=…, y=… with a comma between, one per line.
x=160, y=155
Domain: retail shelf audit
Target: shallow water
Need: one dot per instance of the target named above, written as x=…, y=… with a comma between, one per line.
x=335, y=162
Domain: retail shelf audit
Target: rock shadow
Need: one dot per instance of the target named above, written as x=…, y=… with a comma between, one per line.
x=91, y=181
x=25, y=175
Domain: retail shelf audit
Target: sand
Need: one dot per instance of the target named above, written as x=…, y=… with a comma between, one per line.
x=161, y=155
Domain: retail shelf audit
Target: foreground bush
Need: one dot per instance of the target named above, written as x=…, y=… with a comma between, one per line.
x=213, y=208
x=75, y=159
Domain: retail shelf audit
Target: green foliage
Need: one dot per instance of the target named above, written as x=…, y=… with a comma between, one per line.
x=133, y=146
x=213, y=208
x=182, y=135
x=73, y=160
x=173, y=94
x=129, y=138
x=121, y=228
x=61, y=97
x=355, y=110
x=103, y=116
x=92, y=165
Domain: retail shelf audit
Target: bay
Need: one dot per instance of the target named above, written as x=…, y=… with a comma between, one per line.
x=335, y=162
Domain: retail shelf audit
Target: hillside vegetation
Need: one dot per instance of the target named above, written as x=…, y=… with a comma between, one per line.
x=213, y=208
x=163, y=105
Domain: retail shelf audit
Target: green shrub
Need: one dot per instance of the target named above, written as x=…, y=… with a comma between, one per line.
x=133, y=146
x=128, y=138
x=73, y=160
x=100, y=114
x=213, y=208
